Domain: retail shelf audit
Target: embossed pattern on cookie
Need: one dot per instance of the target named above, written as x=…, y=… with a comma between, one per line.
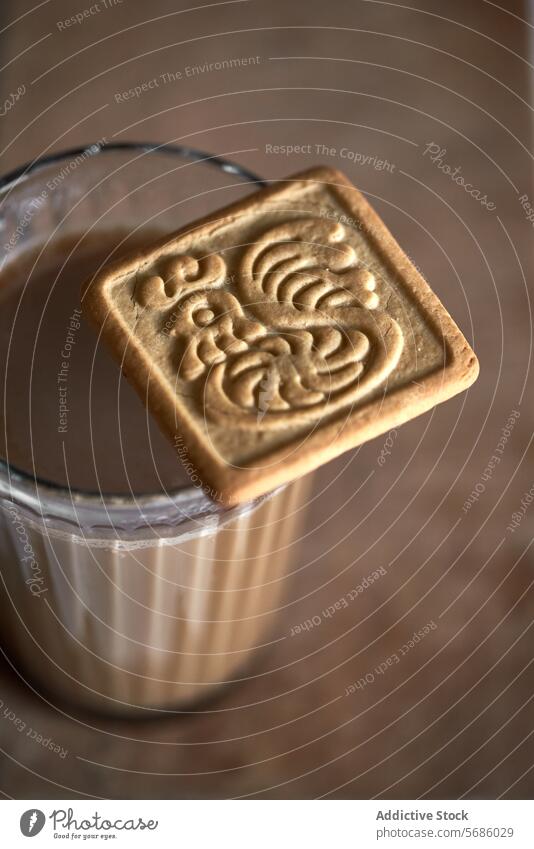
x=273, y=335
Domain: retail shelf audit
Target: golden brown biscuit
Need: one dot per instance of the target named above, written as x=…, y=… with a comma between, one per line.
x=277, y=333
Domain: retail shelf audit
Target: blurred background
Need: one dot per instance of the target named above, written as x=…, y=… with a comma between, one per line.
x=418, y=86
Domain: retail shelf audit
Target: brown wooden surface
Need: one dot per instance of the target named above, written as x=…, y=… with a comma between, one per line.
x=454, y=716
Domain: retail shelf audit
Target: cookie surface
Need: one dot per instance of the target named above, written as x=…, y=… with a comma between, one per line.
x=277, y=333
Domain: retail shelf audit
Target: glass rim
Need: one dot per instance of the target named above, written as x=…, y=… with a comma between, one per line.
x=70, y=499
x=12, y=178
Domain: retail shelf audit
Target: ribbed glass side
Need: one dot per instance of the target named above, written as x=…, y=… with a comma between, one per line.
x=160, y=626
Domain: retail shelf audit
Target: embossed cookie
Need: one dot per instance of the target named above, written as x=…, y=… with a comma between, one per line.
x=277, y=333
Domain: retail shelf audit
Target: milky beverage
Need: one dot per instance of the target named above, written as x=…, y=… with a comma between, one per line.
x=150, y=621
x=70, y=416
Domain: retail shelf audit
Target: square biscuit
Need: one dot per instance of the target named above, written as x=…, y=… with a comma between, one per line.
x=277, y=333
